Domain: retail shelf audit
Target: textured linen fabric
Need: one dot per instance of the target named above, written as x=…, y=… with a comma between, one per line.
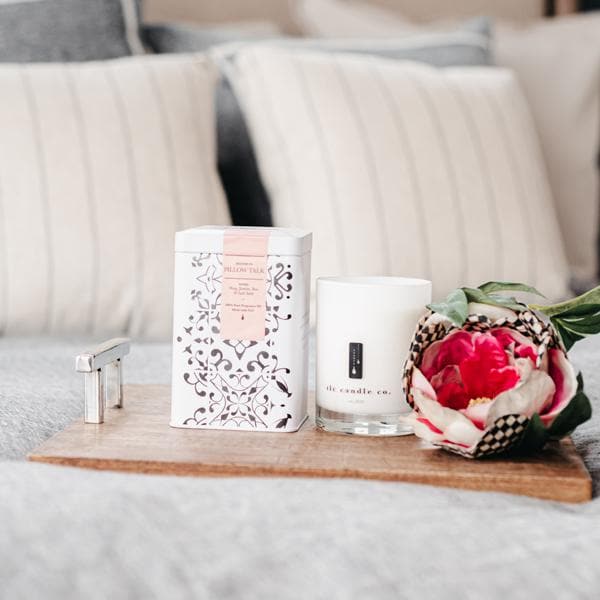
x=40, y=392
x=557, y=62
x=71, y=533
x=248, y=200
x=68, y=30
x=100, y=164
x=403, y=169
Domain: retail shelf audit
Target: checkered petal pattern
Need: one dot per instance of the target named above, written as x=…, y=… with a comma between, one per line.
x=508, y=430
x=429, y=330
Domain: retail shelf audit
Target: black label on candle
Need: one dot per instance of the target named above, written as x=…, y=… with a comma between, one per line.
x=355, y=360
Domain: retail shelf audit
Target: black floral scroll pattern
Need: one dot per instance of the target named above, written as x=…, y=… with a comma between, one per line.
x=239, y=384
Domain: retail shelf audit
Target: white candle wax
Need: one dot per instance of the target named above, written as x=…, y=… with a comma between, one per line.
x=364, y=327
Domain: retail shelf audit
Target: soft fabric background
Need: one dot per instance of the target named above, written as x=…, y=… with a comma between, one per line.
x=72, y=533
x=389, y=194
x=100, y=164
x=69, y=533
x=248, y=200
x=246, y=196
x=558, y=65
x=282, y=12
x=557, y=62
x=68, y=30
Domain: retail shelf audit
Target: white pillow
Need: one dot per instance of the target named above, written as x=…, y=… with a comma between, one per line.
x=403, y=169
x=100, y=164
x=557, y=62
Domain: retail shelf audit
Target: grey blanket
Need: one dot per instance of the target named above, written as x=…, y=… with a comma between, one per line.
x=66, y=533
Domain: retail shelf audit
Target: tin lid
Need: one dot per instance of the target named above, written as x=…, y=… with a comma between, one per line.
x=209, y=238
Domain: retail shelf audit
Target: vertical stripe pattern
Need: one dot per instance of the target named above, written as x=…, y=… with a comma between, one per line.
x=170, y=156
x=333, y=201
x=415, y=197
x=91, y=200
x=422, y=170
x=47, y=247
x=371, y=168
x=132, y=186
x=100, y=165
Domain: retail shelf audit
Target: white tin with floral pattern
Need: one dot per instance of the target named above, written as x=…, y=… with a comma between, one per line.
x=240, y=335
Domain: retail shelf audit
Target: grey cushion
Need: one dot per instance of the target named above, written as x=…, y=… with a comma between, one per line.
x=248, y=201
x=68, y=30
x=70, y=533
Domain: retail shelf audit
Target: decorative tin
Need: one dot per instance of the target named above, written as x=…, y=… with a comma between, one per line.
x=241, y=318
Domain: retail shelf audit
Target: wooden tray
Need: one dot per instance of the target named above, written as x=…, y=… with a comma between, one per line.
x=139, y=439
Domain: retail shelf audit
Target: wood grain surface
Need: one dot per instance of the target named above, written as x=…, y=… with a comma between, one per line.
x=138, y=439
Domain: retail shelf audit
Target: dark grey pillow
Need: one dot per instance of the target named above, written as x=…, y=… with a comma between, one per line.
x=248, y=201
x=68, y=30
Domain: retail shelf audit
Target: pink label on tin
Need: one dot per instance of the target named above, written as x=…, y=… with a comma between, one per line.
x=244, y=290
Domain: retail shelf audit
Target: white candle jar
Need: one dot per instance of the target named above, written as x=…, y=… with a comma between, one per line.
x=241, y=318
x=364, y=328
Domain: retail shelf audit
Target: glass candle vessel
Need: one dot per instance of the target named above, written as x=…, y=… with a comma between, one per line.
x=364, y=328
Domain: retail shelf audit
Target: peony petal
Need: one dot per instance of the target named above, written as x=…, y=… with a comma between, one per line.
x=456, y=427
x=449, y=388
x=425, y=433
x=452, y=350
x=526, y=351
x=503, y=334
x=463, y=433
x=482, y=382
x=449, y=374
x=421, y=427
x=453, y=396
x=562, y=373
x=489, y=350
x=430, y=425
x=419, y=382
x=524, y=368
x=477, y=413
x=526, y=399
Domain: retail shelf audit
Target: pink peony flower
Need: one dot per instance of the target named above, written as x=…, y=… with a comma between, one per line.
x=475, y=389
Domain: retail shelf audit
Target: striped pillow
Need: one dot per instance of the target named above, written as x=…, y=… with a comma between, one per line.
x=403, y=169
x=100, y=163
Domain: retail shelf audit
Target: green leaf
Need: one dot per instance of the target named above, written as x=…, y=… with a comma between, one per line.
x=455, y=307
x=583, y=310
x=506, y=286
x=583, y=326
x=534, y=438
x=568, y=337
x=578, y=411
x=579, y=382
x=591, y=298
x=476, y=295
